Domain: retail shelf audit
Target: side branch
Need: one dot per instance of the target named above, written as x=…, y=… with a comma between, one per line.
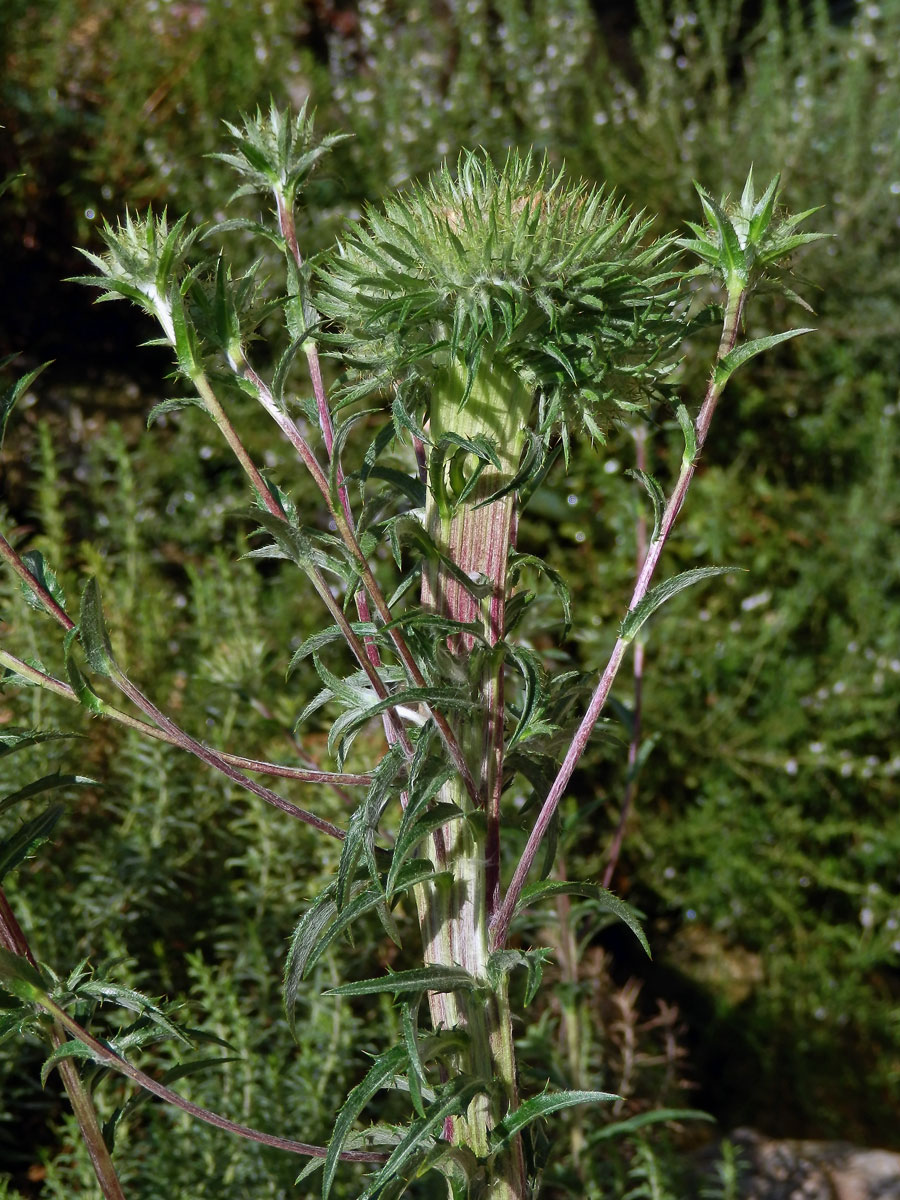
x=503, y=918
x=110, y=1059
x=255, y=765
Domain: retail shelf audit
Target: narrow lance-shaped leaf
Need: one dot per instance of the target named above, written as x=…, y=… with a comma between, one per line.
x=46, y=577
x=15, y=849
x=623, y=1128
x=79, y=684
x=414, y=831
x=664, y=591
x=431, y=978
x=12, y=739
x=94, y=634
x=72, y=1048
x=10, y=397
x=312, y=924
x=592, y=891
x=415, y=1075
x=384, y=1069
x=454, y=1098
x=18, y=976
x=656, y=494
x=690, y=434
x=541, y=1106
x=369, y=899
x=727, y=365
x=333, y=633
x=502, y=962
x=47, y=783
x=761, y=216
x=114, y=993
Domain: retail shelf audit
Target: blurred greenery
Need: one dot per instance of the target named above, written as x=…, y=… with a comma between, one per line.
x=765, y=840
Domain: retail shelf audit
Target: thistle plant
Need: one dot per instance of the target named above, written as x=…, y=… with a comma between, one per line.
x=481, y=322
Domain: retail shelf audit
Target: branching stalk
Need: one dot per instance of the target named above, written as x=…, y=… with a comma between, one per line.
x=634, y=742
x=500, y=928
x=13, y=939
x=256, y=765
x=110, y=1059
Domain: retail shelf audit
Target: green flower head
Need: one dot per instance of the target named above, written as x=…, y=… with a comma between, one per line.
x=510, y=269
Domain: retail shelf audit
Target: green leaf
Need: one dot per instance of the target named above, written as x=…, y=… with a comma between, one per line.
x=602, y=898
x=10, y=397
x=19, y=1022
x=306, y=935
x=761, y=216
x=690, y=434
x=47, y=783
x=186, y=345
x=94, y=634
x=363, y=902
x=72, y=1048
x=104, y=991
x=541, y=1106
x=13, y=738
x=453, y=1099
x=656, y=494
x=81, y=687
x=623, y=1128
x=170, y=406
x=45, y=576
x=727, y=365
x=501, y=962
x=388, y=1065
x=664, y=591
x=732, y=259
x=15, y=849
x=517, y=561
x=20, y=978
x=333, y=633
x=407, y=485
x=350, y=723
x=529, y=665
x=431, y=978
x=411, y=834
x=415, y=1074
x=360, y=839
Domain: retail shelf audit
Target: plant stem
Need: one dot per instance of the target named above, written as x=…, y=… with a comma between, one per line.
x=212, y=759
x=109, y=1058
x=10, y=555
x=733, y=310
x=266, y=496
x=256, y=765
x=634, y=744
x=13, y=939
x=342, y=517
x=475, y=536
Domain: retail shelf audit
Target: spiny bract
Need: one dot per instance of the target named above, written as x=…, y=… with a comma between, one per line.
x=514, y=266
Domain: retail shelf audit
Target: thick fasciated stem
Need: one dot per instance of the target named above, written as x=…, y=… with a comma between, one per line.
x=475, y=535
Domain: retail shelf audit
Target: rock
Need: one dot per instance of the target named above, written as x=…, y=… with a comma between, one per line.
x=804, y=1170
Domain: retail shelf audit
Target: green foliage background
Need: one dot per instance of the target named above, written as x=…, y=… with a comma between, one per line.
x=765, y=843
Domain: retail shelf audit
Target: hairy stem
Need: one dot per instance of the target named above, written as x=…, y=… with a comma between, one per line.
x=13, y=939
x=475, y=534
x=733, y=310
x=634, y=742
x=256, y=765
x=110, y=1059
